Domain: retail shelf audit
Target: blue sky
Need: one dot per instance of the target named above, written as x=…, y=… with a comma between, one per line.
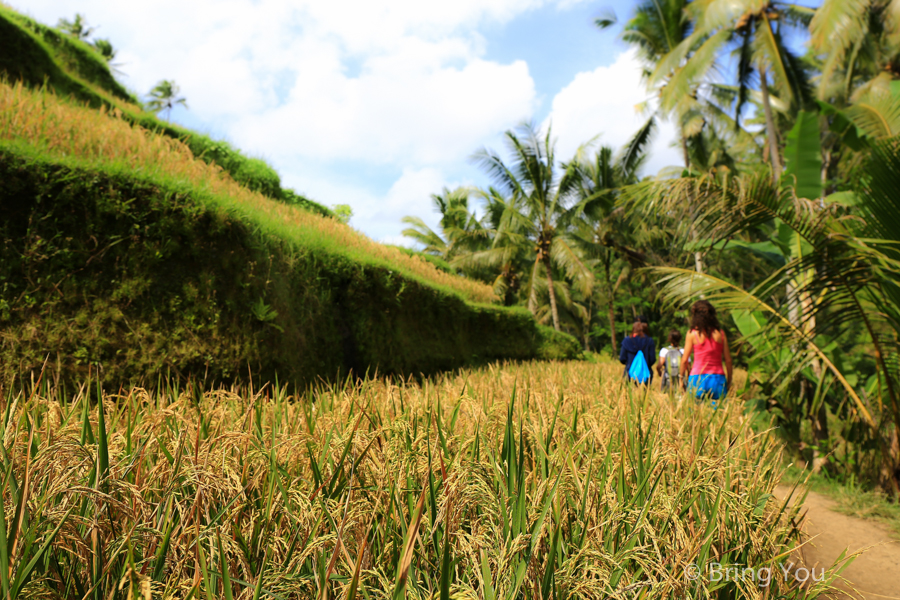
x=378, y=104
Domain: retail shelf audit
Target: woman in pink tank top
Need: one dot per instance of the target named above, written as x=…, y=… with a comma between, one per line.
x=707, y=342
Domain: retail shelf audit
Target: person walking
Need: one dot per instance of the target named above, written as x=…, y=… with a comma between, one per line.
x=639, y=344
x=670, y=362
x=708, y=344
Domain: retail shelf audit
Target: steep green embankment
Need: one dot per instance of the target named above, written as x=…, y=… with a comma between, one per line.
x=138, y=276
x=120, y=248
x=43, y=56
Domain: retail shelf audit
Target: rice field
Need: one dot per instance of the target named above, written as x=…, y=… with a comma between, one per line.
x=534, y=480
x=62, y=130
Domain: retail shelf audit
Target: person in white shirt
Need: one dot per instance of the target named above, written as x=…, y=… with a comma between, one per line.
x=667, y=367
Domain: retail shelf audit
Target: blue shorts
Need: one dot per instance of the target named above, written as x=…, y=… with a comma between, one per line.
x=707, y=386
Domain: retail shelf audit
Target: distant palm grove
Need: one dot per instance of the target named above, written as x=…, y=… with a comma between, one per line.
x=784, y=213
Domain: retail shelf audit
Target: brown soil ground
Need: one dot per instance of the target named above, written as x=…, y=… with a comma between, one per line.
x=874, y=574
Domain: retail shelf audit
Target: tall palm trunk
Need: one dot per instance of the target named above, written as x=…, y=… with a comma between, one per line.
x=698, y=257
x=612, y=309
x=770, y=126
x=553, y=311
x=587, y=325
x=817, y=418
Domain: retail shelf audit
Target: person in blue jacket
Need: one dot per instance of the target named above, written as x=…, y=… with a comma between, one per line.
x=640, y=340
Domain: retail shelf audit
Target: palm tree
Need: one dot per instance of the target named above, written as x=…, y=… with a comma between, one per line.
x=77, y=27
x=657, y=30
x=754, y=30
x=105, y=48
x=606, y=231
x=108, y=52
x=503, y=255
x=164, y=96
x=460, y=229
x=537, y=196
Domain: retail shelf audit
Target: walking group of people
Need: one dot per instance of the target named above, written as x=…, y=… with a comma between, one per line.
x=705, y=354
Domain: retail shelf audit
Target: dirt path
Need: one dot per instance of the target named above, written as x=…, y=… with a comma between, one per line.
x=875, y=575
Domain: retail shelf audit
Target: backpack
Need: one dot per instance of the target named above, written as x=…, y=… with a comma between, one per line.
x=673, y=362
x=639, y=370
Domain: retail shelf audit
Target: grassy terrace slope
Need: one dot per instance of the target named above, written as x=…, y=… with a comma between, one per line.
x=120, y=248
x=537, y=480
x=39, y=56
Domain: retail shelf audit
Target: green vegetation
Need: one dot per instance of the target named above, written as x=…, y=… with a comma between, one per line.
x=437, y=261
x=27, y=55
x=784, y=215
x=122, y=250
x=164, y=97
x=136, y=255
x=513, y=481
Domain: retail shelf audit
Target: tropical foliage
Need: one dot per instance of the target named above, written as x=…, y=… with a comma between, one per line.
x=782, y=213
x=77, y=27
x=164, y=97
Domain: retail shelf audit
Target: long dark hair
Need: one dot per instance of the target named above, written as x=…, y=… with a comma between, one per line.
x=703, y=318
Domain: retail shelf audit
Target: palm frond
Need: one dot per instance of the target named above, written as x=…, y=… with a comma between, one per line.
x=798, y=15
x=879, y=202
x=606, y=20
x=492, y=257
x=421, y=233
x=500, y=174
x=572, y=263
x=876, y=113
x=744, y=73
x=637, y=146
x=682, y=286
x=836, y=24
x=685, y=78
x=672, y=61
x=769, y=50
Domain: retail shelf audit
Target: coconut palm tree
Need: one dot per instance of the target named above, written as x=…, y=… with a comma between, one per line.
x=461, y=230
x=77, y=27
x=606, y=230
x=501, y=256
x=655, y=30
x=535, y=197
x=658, y=29
x=106, y=49
x=754, y=32
x=164, y=96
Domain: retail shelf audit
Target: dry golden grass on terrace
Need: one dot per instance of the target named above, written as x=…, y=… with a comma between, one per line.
x=61, y=129
x=582, y=487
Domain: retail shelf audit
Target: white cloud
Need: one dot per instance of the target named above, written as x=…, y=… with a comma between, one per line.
x=417, y=114
x=379, y=215
x=398, y=240
x=606, y=102
x=399, y=85
x=409, y=195
x=388, y=81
